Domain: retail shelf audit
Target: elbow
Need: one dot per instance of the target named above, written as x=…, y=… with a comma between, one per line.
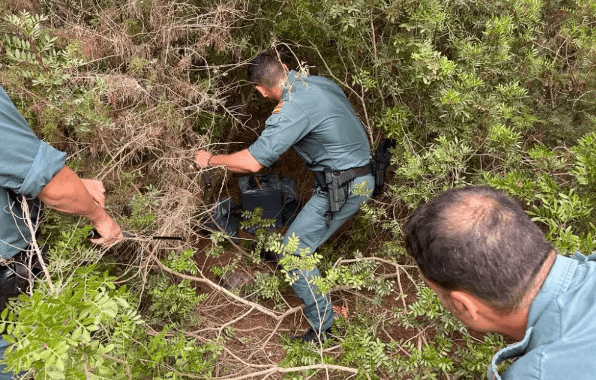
x=255, y=167
x=247, y=162
x=56, y=197
x=252, y=165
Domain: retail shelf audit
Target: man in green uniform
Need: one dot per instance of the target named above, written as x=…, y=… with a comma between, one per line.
x=314, y=118
x=32, y=171
x=493, y=269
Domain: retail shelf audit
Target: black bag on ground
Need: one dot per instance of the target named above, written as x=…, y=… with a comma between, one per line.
x=291, y=201
x=264, y=191
x=226, y=218
x=279, y=199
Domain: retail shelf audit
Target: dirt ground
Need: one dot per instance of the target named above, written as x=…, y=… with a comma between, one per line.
x=254, y=339
x=256, y=329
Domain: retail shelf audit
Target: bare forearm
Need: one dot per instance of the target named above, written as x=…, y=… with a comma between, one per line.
x=233, y=163
x=239, y=162
x=67, y=193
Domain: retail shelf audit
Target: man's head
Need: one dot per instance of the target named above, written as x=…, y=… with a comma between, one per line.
x=479, y=241
x=266, y=72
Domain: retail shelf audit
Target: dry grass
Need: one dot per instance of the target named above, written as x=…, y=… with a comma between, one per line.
x=153, y=105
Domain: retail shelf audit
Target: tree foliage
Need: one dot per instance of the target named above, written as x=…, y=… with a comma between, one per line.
x=494, y=92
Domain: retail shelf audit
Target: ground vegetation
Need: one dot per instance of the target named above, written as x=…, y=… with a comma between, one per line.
x=499, y=92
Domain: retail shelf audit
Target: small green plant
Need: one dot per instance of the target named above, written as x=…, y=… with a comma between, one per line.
x=298, y=355
x=428, y=362
x=558, y=212
x=584, y=169
x=59, y=327
x=171, y=300
x=475, y=355
x=32, y=53
x=428, y=310
x=266, y=287
x=30, y=45
x=365, y=351
x=254, y=220
x=217, y=247
x=142, y=217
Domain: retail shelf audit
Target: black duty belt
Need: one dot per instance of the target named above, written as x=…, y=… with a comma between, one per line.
x=337, y=185
x=362, y=170
x=358, y=171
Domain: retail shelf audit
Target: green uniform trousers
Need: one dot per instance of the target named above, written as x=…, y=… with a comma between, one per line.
x=311, y=227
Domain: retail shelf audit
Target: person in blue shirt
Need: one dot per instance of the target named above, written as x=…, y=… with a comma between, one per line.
x=313, y=117
x=32, y=174
x=493, y=269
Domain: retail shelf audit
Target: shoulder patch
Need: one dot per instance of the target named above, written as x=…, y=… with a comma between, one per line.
x=278, y=106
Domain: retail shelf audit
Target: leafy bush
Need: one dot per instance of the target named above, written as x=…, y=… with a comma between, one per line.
x=486, y=92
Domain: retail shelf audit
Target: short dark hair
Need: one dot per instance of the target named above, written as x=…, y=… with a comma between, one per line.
x=479, y=240
x=265, y=69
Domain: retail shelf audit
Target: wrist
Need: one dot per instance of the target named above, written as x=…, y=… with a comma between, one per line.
x=96, y=215
x=209, y=161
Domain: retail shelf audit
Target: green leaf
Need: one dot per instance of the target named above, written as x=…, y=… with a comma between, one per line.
x=55, y=375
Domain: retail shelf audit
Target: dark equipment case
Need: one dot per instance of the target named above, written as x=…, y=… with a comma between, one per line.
x=277, y=198
x=264, y=191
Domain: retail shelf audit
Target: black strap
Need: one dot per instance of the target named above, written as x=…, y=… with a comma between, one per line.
x=362, y=170
x=359, y=171
x=381, y=162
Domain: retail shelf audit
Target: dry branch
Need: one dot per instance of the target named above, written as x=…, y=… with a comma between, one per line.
x=290, y=370
x=221, y=289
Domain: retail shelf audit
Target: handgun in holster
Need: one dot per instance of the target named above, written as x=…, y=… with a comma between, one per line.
x=337, y=182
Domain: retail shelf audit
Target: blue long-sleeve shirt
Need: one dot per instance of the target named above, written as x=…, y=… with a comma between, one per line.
x=560, y=340
x=27, y=164
x=315, y=118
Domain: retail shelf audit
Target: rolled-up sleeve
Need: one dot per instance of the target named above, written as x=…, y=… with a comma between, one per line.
x=282, y=130
x=27, y=163
x=45, y=166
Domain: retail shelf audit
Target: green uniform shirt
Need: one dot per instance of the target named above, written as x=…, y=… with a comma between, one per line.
x=27, y=164
x=560, y=338
x=314, y=118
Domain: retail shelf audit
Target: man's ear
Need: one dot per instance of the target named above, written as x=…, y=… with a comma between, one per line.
x=464, y=306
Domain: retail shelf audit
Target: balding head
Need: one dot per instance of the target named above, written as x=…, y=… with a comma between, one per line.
x=478, y=240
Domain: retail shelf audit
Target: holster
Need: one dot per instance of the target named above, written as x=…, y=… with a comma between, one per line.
x=380, y=163
x=337, y=184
